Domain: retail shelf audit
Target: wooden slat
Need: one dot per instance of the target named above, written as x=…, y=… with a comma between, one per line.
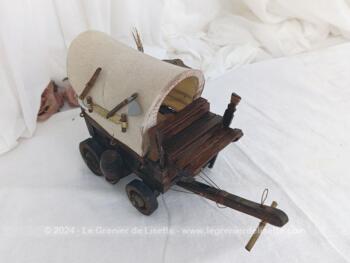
x=189, y=154
x=199, y=152
x=213, y=146
x=176, y=123
x=183, y=139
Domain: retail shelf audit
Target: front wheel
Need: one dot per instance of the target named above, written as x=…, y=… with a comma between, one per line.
x=141, y=197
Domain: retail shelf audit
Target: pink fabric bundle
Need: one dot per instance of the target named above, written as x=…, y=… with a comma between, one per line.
x=52, y=100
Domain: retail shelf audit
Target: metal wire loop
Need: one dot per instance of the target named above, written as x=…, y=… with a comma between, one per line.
x=264, y=196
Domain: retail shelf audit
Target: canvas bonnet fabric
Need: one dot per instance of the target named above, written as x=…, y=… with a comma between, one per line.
x=125, y=71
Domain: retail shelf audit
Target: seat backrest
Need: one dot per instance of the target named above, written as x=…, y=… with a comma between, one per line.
x=174, y=124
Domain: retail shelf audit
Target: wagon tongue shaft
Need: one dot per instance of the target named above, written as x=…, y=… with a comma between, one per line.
x=268, y=214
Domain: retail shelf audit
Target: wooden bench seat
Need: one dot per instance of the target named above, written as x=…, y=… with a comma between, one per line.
x=195, y=146
x=191, y=137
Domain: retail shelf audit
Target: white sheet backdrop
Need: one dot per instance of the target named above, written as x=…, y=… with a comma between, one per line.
x=34, y=37
x=208, y=34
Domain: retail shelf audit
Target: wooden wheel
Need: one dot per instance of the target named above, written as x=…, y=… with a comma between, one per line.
x=112, y=166
x=91, y=152
x=141, y=197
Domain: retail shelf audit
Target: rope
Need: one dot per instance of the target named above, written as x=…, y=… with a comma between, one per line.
x=212, y=184
x=186, y=192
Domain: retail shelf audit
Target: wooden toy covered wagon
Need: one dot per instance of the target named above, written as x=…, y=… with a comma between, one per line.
x=147, y=117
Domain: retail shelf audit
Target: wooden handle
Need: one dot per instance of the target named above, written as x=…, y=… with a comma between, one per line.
x=258, y=231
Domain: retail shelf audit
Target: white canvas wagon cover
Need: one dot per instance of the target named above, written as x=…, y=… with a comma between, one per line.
x=124, y=72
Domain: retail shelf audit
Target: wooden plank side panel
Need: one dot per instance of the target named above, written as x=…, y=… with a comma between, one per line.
x=184, y=118
x=194, y=158
x=175, y=124
x=183, y=158
x=215, y=145
x=189, y=135
x=195, y=104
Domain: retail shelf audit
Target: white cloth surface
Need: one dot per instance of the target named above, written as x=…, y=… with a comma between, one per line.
x=211, y=35
x=294, y=114
x=220, y=35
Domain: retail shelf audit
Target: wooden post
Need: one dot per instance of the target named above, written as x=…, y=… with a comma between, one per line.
x=231, y=108
x=90, y=83
x=124, y=122
x=258, y=231
x=161, y=152
x=89, y=103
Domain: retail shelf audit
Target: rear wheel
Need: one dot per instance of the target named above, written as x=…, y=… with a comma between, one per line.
x=112, y=166
x=141, y=197
x=91, y=152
